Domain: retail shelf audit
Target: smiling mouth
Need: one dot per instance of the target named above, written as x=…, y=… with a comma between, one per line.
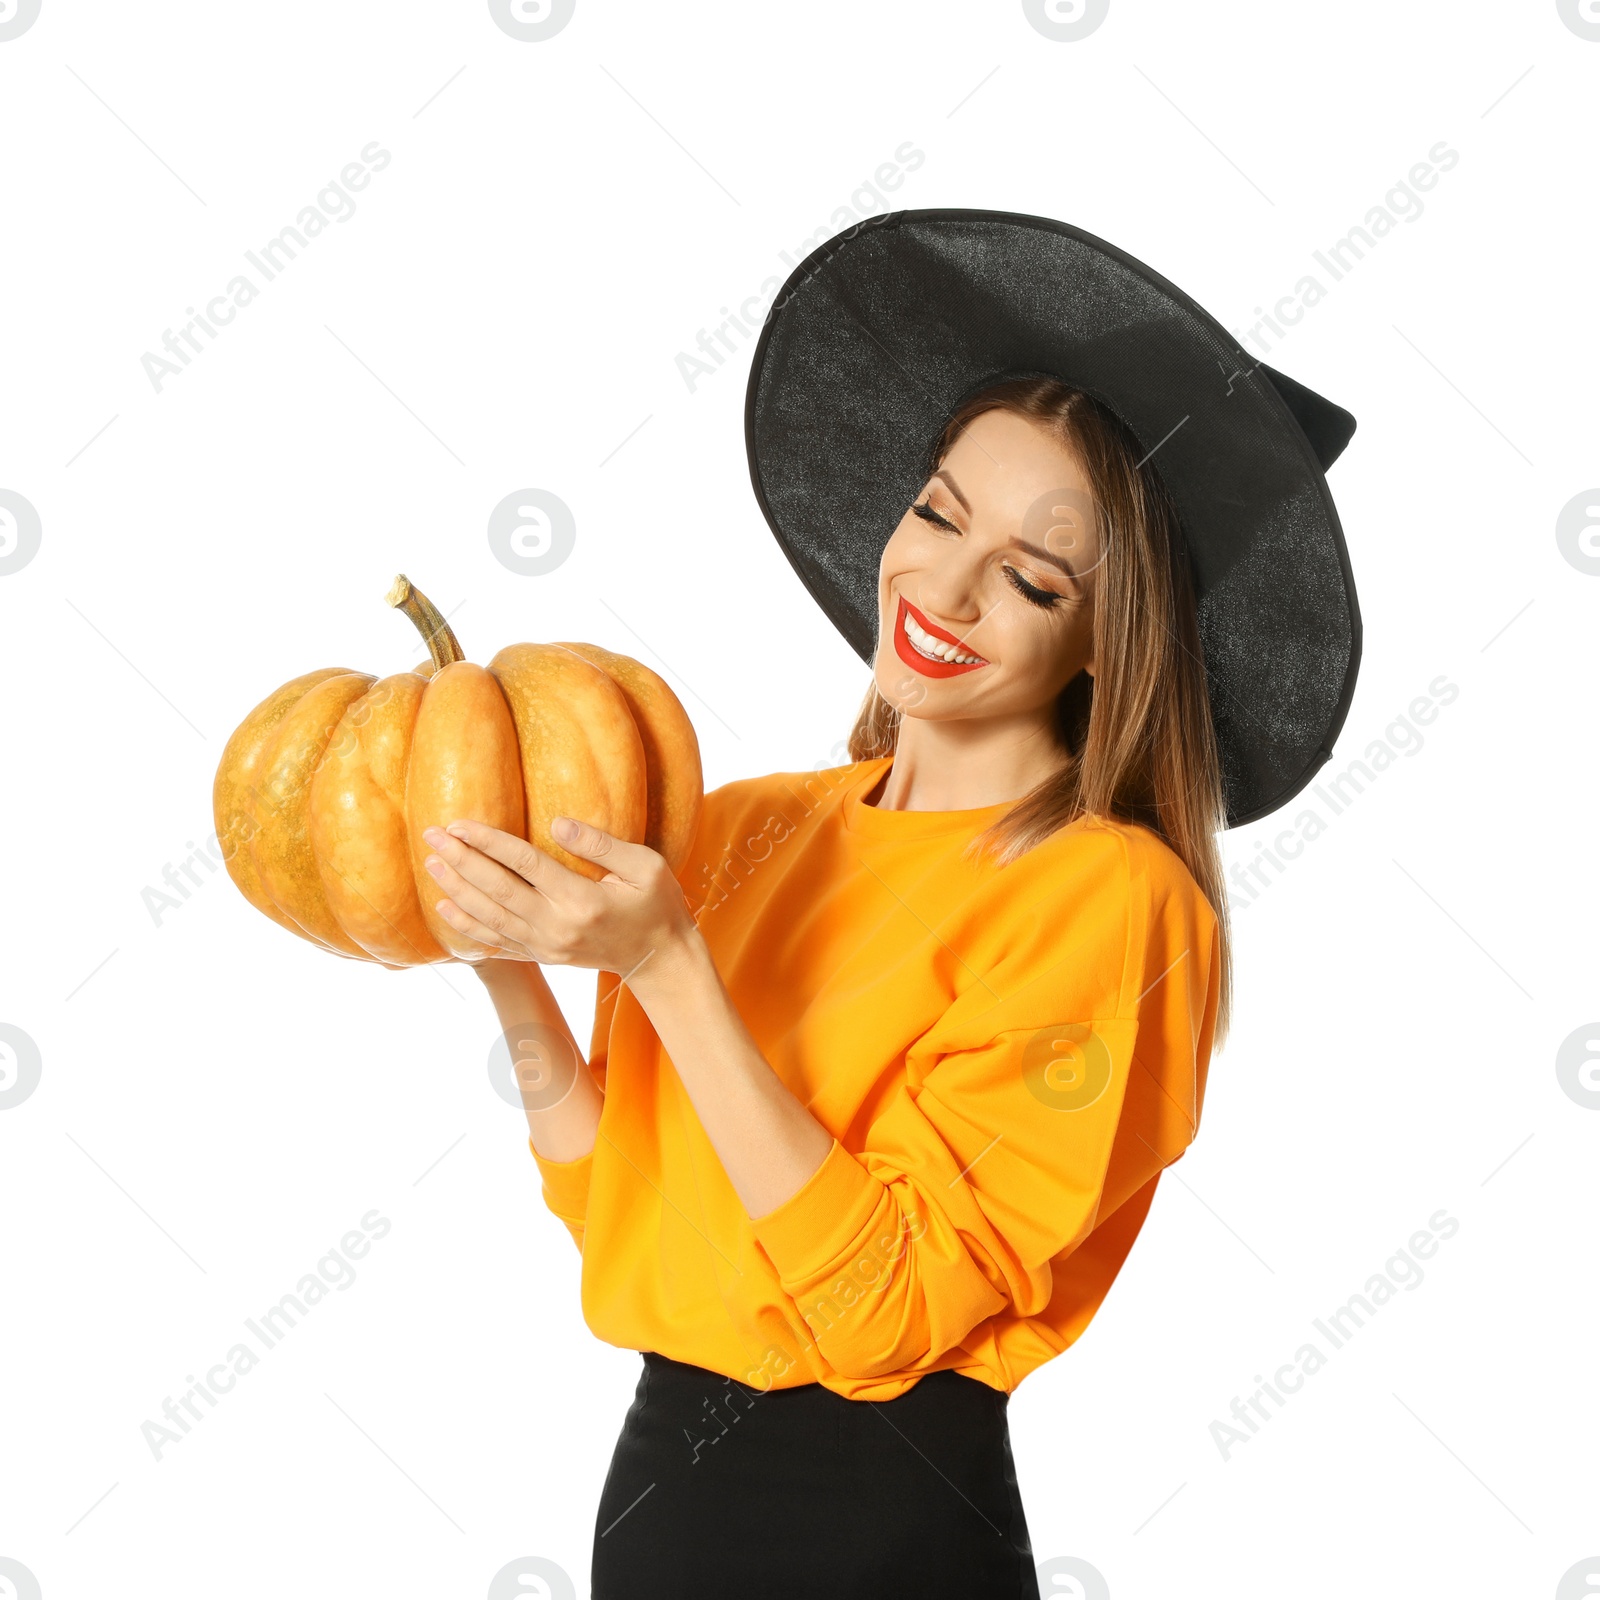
x=929, y=649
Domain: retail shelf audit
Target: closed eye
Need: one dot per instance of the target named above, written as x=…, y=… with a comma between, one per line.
x=1038, y=597
x=1028, y=591
x=928, y=514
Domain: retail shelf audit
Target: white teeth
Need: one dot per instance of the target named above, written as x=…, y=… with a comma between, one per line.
x=935, y=649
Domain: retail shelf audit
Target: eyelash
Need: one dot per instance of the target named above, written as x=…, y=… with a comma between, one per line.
x=1038, y=597
x=1043, y=598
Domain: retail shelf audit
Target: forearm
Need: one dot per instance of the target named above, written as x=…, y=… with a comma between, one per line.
x=767, y=1141
x=559, y=1093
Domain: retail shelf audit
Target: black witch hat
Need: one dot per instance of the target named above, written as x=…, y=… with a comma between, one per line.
x=880, y=333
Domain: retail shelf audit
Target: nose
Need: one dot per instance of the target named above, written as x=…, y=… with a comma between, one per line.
x=946, y=589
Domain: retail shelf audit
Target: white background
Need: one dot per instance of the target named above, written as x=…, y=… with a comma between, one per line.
x=219, y=1103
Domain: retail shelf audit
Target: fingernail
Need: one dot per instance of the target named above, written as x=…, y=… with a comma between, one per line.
x=457, y=830
x=434, y=836
x=564, y=828
x=435, y=866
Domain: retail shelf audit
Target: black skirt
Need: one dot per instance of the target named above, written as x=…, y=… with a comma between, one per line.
x=719, y=1490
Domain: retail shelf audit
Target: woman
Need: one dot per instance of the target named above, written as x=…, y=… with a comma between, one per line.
x=881, y=1100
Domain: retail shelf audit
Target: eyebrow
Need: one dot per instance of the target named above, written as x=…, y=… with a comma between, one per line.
x=950, y=483
x=1037, y=551
x=1048, y=555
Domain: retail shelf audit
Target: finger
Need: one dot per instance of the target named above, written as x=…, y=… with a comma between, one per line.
x=502, y=883
x=626, y=862
x=471, y=928
x=503, y=906
x=528, y=862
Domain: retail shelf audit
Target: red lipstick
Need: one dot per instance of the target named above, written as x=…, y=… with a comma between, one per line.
x=914, y=658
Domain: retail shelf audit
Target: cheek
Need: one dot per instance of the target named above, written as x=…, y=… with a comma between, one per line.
x=898, y=569
x=1041, y=648
x=1024, y=637
x=897, y=553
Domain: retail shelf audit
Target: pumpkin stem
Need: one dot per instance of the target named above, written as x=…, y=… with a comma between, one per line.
x=442, y=644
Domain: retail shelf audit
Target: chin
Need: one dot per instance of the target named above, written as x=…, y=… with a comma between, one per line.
x=901, y=687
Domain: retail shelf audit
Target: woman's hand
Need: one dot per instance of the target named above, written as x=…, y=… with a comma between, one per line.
x=522, y=905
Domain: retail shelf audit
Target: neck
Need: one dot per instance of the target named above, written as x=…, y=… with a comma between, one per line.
x=962, y=765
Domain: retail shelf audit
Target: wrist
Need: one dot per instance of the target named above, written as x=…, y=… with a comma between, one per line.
x=499, y=972
x=679, y=959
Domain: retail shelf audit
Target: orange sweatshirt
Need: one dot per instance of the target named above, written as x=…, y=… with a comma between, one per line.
x=1006, y=1058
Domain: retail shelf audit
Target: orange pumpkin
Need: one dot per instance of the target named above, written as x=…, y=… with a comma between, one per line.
x=324, y=789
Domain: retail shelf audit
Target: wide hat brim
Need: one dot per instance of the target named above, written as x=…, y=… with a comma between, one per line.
x=880, y=333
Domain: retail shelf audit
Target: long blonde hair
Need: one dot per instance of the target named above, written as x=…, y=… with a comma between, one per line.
x=1138, y=736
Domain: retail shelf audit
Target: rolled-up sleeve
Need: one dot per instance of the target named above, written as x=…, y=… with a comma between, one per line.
x=565, y=1189
x=1053, y=1092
